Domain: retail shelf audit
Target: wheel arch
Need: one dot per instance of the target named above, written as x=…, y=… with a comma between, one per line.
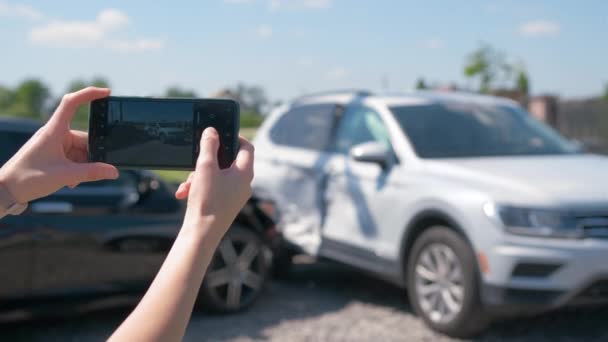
x=252, y=217
x=422, y=221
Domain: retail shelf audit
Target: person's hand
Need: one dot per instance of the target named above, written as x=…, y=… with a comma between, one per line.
x=55, y=156
x=215, y=196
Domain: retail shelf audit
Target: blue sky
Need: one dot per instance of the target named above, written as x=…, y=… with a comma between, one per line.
x=295, y=46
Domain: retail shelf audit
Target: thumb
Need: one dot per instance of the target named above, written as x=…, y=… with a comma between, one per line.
x=210, y=143
x=89, y=172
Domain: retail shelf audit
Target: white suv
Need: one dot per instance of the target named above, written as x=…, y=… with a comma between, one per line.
x=466, y=200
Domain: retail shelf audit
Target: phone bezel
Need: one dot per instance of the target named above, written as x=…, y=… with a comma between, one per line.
x=97, y=120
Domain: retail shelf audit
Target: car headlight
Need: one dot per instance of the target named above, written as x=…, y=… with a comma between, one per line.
x=537, y=222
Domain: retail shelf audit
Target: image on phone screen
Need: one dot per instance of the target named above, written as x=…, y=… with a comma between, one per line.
x=159, y=133
x=139, y=132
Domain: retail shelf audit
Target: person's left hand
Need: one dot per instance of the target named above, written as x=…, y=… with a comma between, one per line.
x=55, y=156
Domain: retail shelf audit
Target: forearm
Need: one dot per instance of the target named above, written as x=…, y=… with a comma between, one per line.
x=164, y=311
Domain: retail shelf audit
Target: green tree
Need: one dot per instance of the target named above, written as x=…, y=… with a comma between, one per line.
x=100, y=82
x=29, y=99
x=6, y=99
x=488, y=65
x=251, y=98
x=523, y=83
x=605, y=92
x=176, y=91
x=421, y=84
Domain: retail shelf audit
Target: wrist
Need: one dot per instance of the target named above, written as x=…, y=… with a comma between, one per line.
x=203, y=229
x=8, y=204
x=8, y=185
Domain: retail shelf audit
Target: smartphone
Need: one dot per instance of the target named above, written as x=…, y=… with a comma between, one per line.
x=160, y=133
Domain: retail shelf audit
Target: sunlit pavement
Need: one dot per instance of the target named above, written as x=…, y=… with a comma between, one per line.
x=320, y=302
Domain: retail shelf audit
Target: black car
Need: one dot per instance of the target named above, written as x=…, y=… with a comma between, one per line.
x=111, y=237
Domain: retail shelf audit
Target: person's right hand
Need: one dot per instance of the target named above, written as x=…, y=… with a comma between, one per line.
x=215, y=196
x=56, y=156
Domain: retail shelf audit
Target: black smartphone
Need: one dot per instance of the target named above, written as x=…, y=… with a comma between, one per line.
x=160, y=133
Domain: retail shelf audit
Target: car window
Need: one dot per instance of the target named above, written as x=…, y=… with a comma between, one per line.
x=10, y=143
x=305, y=127
x=465, y=130
x=360, y=125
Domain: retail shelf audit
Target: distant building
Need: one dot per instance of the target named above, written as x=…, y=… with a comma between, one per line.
x=544, y=108
x=585, y=120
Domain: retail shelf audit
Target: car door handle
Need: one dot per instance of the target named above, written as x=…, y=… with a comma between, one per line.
x=52, y=207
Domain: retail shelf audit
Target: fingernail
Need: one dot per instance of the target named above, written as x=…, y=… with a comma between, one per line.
x=209, y=132
x=112, y=174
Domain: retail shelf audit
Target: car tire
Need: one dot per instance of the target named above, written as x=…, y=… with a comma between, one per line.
x=237, y=273
x=447, y=298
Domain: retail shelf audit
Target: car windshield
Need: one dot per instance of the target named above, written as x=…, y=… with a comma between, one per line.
x=467, y=130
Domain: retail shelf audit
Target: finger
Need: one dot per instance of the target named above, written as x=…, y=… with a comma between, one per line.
x=184, y=188
x=183, y=191
x=244, y=159
x=70, y=102
x=210, y=143
x=77, y=149
x=80, y=140
x=90, y=172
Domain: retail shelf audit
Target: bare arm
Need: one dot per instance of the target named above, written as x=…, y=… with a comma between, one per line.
x=215, y=197
x=164, y=311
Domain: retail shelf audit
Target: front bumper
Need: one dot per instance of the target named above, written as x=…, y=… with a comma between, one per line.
x=533, y=274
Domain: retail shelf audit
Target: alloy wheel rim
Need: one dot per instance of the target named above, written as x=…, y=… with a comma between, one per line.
x=236, y=273
x=439, y=283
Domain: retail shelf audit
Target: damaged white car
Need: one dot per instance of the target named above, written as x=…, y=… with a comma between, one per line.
x=466, y=200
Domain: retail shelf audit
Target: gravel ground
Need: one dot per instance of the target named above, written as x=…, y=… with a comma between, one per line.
x=321, y=302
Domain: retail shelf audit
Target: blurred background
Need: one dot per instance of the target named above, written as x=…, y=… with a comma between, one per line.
x=549, y=56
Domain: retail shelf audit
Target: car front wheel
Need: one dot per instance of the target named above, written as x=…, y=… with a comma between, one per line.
x=443, y=283
x=238, y=272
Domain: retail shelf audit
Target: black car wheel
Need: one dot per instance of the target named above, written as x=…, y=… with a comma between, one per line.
x=443, y=284
x=238, y=272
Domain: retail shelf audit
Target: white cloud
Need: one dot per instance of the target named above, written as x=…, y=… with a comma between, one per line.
x=68, y=34
x=111, y=19
x=264, y=31
x=95, y=33
x=316, y=3
x=539, y=28
x=19, y=11
x=337, y=73
x=433, y=43
x=275, y=5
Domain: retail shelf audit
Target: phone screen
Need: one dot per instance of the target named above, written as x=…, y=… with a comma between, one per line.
x=159, y=133
x=138, y=132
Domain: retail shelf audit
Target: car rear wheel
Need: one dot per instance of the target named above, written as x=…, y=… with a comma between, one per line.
x=237, y=273
x=443, y=284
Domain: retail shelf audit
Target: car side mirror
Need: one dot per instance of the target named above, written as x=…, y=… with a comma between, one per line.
x=372, y=152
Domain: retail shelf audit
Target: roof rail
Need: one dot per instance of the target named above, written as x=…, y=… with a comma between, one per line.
x=353, y=92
